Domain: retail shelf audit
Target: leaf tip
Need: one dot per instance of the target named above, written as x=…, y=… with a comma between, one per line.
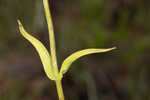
x=109, y=49
x=113, y=48
x=19, y=23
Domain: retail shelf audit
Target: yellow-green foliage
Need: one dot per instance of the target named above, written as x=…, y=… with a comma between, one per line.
x=50, y=62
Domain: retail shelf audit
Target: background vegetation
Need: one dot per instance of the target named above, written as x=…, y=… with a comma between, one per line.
x=122, y=74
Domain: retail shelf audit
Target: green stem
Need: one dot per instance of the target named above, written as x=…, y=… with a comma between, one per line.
x=51, y=36
x=53, y=50
x=60, y=90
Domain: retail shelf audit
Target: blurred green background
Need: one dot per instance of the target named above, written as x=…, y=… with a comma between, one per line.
x=121, y=74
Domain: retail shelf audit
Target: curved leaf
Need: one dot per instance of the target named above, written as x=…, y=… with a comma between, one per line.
x=42, y=51
x=69, y=60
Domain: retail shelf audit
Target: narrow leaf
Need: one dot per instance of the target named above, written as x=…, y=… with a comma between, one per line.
x=42, y=51
x=69, y=60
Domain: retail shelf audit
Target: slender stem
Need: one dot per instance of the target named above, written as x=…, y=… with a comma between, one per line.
x=51, y=36
x=60, y=90
x=53, y=49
